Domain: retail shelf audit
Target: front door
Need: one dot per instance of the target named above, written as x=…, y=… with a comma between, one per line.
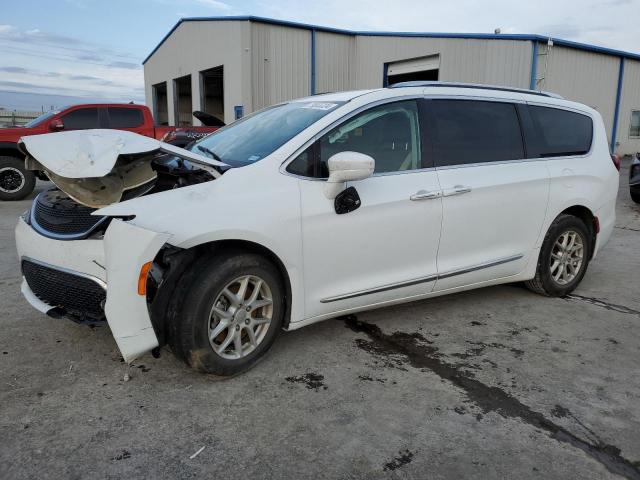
x=386, y=249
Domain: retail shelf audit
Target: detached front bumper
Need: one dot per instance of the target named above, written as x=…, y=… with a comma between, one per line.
x=87, y=279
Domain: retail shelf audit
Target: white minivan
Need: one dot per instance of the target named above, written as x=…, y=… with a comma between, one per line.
x=312, y=209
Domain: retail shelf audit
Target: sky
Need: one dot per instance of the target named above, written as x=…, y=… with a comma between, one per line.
x=54, y=53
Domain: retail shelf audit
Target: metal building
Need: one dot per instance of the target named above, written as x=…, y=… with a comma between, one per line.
x=230, y=66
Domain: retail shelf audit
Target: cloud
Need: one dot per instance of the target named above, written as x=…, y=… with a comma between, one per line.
x=214, y=4
x=126, y=65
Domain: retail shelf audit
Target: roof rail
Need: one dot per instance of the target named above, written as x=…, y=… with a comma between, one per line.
x=430, y=83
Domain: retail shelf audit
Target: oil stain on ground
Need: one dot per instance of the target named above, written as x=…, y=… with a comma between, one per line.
x=404, y=457
x=421, y=354
x=313, y=381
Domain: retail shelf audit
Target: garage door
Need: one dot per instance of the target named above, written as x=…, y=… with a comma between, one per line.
x=423, y=68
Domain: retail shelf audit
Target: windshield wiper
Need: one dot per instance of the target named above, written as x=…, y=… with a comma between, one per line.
x=210, y=152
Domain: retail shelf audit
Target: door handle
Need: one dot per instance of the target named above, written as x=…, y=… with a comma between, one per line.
x=424, y=195
x=457, y=190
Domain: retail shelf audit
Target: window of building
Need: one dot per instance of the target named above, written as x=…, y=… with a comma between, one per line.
x=183, y=109
x=125, y=117
x=559, y=132
x=469, y=131
x=81, y=119
x=212, y=92
x=160, y=104
x=634, y=129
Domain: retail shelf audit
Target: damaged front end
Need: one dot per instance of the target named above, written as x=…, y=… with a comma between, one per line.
x=86, y=266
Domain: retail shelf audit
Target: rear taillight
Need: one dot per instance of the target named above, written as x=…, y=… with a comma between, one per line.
x=616, y=160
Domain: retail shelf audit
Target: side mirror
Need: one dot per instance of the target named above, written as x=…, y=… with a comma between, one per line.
x=56, y=125
x=347, y=167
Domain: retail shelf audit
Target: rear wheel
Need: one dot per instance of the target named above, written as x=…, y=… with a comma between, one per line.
x=16, y=182
x=563, y=259
x=635, y=196
x=231, y=314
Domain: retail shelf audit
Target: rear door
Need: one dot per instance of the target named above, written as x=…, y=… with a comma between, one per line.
x=494, y=199
x=386, y=249
x=128, y=118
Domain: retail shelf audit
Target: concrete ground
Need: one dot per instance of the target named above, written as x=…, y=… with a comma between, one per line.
x=492, y=383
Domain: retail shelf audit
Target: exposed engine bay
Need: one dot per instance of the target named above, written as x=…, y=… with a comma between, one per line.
x=97, y=168
x=57, y=213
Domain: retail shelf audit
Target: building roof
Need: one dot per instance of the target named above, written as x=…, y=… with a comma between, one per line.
x=478, y=36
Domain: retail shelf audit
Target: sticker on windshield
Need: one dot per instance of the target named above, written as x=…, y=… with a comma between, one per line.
x=320, y=105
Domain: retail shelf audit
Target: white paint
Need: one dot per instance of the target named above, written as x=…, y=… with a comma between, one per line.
x=390, y=239
x=127, y=248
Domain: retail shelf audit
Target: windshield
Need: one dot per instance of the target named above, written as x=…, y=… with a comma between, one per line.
x=260, y=134
x=41, y=118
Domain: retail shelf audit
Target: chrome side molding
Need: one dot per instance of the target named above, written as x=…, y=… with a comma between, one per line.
x=417, y=281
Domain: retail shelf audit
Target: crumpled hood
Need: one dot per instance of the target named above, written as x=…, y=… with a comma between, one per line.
x=95, y=167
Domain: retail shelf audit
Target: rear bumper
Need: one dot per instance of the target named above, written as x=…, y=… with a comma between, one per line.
x=607, y=219
x=114, y=262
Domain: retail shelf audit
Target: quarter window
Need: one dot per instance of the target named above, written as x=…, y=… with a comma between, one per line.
x=125, y=117
x=634, y=129
x=81, y=119
x=389, y=133
x=560, y=133
x=470, y=131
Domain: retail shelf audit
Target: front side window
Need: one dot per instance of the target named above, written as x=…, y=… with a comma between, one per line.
x=470, y=131
x=81, y=119
x=634, y=129
x=254, y=137
x=389, y=133
x=559, y=132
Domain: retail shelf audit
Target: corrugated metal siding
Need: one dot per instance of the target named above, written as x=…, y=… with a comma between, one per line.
x=498, y=62
x=197, y=46
x=630, y=101
x=585, y=77
x=335, y=55
x=281, y=63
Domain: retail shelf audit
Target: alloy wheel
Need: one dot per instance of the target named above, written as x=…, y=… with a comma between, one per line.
x=240, y=317
x=567, y=257
x=11, y=179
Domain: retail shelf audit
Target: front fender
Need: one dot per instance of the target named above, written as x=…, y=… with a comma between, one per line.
x=127, y=248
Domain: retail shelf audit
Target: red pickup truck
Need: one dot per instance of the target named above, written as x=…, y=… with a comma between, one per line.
x=16, y=182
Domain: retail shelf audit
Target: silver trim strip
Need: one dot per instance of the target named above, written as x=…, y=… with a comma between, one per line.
x=383, y=288
x=481, y=266
x=100, y=282
x=59, y=236
x=418, y=281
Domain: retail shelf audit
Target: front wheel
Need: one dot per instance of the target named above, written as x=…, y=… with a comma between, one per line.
x=563, y=259
x=16, y=182
x=231, y=314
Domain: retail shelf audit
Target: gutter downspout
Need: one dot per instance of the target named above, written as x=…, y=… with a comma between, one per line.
x=312, y=87
x=534, y=66
x=616, y=113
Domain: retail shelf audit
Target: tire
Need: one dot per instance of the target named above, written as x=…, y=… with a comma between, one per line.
x=545, y=282
x=15, y=181
x=635, y=196
x=196, y=318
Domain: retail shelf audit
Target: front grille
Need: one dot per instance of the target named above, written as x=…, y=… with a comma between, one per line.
x=80, y=298
x=55, y=213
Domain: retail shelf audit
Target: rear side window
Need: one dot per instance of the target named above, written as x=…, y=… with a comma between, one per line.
x=470, y=131
x=125, y=117
x=559, y=132
x=81, y=119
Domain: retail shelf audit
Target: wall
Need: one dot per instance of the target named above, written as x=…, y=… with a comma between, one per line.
x=497, y=62
x=585, y=77
x=281, y=62
x=630, y=101
x=197, y=46
x=335, y=62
